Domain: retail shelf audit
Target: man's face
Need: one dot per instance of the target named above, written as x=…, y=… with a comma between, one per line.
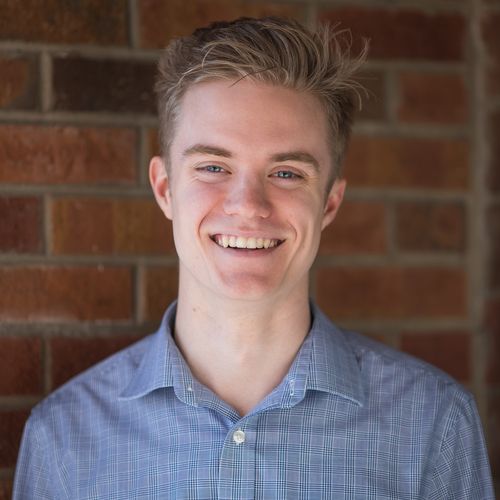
x=249, y=164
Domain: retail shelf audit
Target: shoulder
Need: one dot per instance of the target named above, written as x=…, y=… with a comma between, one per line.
x=412, y=381
x=95, y=386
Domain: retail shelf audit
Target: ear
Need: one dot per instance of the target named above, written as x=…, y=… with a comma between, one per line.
x=158, y=178
x=333, y=202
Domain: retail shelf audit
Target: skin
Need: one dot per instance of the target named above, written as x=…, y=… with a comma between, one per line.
x=247, y=159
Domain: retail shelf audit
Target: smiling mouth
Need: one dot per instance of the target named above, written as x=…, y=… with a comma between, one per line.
x=230, y=241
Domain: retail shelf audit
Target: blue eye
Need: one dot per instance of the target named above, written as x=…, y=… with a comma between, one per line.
x=213, y=168
x=287, y=174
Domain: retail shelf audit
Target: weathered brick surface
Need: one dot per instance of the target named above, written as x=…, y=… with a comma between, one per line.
x=491, y=39
x=70, y=356
x=404, y=33
x=373, y=161
x=67, y=155
x=21, y=367
x=11, y=429
x=493, y=222
x=161, y=20
x=426, y=226
x=82, y=84
x=18, y=85
x=432, y=98
x=450, y=351
x=153, y=142
x=493, y=131
x=6, y=488
x=360, y=227
x=56, y=21
x=391, y=293
x=65, y=294
x=160, y=289
x=110, y=226
x=492, y=326
x=373, y=102
x=20, y=224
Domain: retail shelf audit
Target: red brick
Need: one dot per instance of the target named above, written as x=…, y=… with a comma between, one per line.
x=491, y=39
x=82, y=84
x=153, y=142
x=493, y=80
x=493, y=224
x=492, y=325
x=374, y=102
x=404, y=33
x=160, y=289
x=53, y=21
x=160, y=21
x=428, y=226
x=65, y=294
x=21, y=368
x=450, y=351
x=110, y=226
x=408, y=162
x=70, y=356
x=67, y=155
x=392, y=293
x=432, y=98
x=18, y=85
x=20, y=224
x=493, y=127
x=11, y=430
x=6, y=484
x=360, y=227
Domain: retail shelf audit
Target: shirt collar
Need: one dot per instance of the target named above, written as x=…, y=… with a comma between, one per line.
x=325, y=362
x=334, y=367
x=162, y=365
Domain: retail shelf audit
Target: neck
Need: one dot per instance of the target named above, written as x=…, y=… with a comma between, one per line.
x=241, y=350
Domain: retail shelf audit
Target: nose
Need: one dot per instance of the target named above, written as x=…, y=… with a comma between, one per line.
x=247, y=199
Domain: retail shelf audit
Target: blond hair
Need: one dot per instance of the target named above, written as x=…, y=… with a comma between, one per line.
x=270, y=50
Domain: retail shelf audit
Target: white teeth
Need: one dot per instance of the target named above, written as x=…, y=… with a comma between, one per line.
x=251, y=243
x=242, y=242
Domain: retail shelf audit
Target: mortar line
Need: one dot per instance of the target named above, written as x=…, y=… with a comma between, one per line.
x=476, y=221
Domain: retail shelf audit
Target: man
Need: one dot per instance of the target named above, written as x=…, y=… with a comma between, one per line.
x=247, y=390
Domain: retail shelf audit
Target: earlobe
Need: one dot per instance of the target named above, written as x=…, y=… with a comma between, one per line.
x=158, y=178
x=333, y=202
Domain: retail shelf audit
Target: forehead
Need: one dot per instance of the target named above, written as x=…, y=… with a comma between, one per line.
x=251, y=117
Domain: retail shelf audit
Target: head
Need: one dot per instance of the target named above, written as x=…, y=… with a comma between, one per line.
x=270, y=50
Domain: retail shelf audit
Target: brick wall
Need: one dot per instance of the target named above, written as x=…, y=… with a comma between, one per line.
x=87, y=262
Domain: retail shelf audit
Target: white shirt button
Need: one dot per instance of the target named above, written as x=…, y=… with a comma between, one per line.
x=239, y=436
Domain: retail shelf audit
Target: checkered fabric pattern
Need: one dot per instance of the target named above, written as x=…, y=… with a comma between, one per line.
x=351, y=420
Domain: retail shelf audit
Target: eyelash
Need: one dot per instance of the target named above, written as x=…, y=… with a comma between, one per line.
x=215, y=169
x=289, y=175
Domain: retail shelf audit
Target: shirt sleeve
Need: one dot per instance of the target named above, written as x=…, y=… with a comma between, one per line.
x=34, y=477
x=462, y=470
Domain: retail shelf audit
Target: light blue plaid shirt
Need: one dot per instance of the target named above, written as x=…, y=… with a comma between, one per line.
x=351, y=420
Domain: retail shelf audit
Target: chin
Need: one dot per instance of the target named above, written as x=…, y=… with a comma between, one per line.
x=247, y=289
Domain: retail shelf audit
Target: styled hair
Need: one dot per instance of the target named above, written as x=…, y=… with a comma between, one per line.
x=269, y=50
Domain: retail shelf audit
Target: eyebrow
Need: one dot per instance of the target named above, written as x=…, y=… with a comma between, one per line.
x=207, y=150
x=299, y=156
